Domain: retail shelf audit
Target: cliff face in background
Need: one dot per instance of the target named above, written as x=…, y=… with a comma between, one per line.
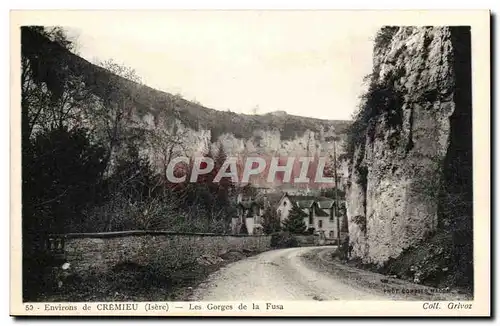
x=162, y=114
x=416, y=153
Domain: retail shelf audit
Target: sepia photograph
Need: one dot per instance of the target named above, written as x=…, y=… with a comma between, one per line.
x=243, y=160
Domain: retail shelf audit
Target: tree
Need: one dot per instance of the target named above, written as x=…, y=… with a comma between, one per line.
x=52, y=94
x=166, y=143
x=271, y=222
x=61, y=174
x=295, y=221
x=330, y=193
x=120, y=69
x=113, y=112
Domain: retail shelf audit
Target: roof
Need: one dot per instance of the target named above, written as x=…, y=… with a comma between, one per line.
x=326, y=203
x=302, y=213
x=247, y=204
x=308, y=201
x=271, y=198
x=261, y=199
x=320, y=212
x=302, y=201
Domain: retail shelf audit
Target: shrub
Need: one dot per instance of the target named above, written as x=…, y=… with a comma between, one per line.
x=344, y=249
x=384, y=36
x=271, y=222
x=165, y=264
x=360, y=221
x=283, y=240
x=380, y=98
x=295, y=221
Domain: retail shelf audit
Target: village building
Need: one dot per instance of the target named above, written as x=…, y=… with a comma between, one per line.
x=250, y=211
x=319, y=213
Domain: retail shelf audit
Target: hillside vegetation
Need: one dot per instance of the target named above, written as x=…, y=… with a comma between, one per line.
x=84, y=168
x=149, y=100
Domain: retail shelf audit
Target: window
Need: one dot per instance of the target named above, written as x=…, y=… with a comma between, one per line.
x=279, y=212
x=310, y=216
x=320, y=224
x=331, y=214
x=331, y=235
x=284, y=204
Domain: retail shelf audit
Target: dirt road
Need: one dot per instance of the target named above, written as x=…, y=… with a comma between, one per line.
x=306, y=274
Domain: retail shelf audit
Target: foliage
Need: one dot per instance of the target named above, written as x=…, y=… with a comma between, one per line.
x=381, y=98
x=61, y=175
x=360, y=221
x=344, y=250
x=436, y=262
x=82, y=168
x=295, y=222
x=191, y=115
x=384, y=36
x=271, y=222
x=283, y=240
x=330, y=193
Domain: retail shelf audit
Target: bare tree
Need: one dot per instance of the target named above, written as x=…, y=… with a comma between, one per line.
x=115, y=108
x=167, y=142
x=52, y=95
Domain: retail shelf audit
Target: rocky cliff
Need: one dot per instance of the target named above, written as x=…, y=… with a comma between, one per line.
x=411, y=173
x=165, y=118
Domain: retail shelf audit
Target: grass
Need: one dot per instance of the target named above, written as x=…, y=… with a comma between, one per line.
x=132, y=282
x=438, y=263
x=367, y=280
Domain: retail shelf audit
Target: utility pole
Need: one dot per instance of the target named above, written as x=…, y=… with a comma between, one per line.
x=336, y=191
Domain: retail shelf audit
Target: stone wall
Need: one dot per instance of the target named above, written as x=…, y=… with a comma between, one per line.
x=100, y=252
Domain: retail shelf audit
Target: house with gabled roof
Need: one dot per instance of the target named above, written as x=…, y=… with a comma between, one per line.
x=319, y=213
x=250, y=211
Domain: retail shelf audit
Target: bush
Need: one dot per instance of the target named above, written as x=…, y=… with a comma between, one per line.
x=284, y=240
x=344, y=250
x=384, y=36
x=271, y=222
x=295, y=221
x=381, y=98
x=360, y=221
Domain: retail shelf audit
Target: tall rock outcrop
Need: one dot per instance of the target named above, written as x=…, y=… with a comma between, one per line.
x=414, y=154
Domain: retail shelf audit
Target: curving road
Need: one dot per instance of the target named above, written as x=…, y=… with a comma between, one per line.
x=303, y=274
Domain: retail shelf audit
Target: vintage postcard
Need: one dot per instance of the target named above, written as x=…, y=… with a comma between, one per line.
x=250, y=163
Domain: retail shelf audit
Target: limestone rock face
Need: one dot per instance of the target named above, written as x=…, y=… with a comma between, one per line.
x=392, y=202
x=264, y=142
x=154, y=120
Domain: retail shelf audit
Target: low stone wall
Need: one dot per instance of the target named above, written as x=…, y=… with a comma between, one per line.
x=98, y=252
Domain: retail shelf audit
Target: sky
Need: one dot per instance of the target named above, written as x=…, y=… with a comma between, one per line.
x=305, y=63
